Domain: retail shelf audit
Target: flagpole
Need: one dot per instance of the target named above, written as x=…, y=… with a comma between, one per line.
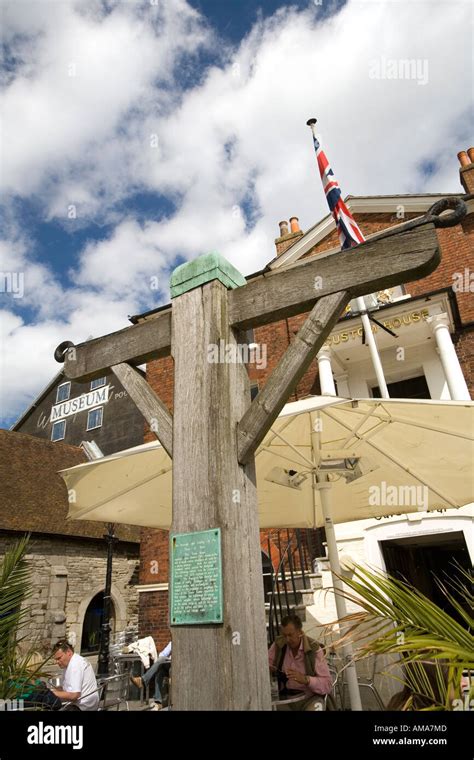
x=362, y=308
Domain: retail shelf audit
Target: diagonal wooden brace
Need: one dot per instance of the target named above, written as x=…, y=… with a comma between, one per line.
x=148, y=402
x=269, y=402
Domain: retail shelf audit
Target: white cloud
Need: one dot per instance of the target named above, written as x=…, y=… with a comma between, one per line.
x=90, y=71
x=235, y=146
x=125, y=262
x=26, y=361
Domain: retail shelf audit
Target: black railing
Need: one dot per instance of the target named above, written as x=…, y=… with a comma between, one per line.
x=291, y=554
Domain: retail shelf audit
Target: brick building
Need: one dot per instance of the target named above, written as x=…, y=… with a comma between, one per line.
x=68, y=557
x=430, y=357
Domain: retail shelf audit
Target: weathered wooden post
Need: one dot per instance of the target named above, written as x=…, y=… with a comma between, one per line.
x=216, y=664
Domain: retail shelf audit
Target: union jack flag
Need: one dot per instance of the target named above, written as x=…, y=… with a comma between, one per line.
x=347, y=227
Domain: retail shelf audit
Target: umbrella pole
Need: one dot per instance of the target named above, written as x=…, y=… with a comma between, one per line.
x=324, y=488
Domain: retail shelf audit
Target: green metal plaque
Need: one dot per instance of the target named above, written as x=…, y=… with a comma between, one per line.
x=196, y=577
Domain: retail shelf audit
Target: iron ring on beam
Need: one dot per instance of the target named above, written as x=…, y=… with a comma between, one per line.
x=456, y=204
x=61, y=350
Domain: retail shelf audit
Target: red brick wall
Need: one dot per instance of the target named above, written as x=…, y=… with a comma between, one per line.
x=283, y=243
x=466, y=175
x=465, y=350
x=368, y=223
x=153, y=617
x=457, y=253
x=153, y=608
x=154, y=556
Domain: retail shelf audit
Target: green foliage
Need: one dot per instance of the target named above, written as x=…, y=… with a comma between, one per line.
x=430, y=643
x=16, y=668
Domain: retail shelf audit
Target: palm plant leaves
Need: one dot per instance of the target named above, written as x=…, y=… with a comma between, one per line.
x=398, y=619
x=15, y=590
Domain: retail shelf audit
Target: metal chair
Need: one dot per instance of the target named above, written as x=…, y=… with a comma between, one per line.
x=67, y=706
x=125, y=664
x=114, y=692
x=365, y=680
x=106, y=702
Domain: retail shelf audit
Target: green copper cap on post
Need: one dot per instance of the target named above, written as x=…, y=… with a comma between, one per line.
x=208, y=267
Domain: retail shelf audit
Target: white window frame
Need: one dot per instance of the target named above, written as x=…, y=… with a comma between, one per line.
x=99, y=383
x=62, y=385
x=55, y=424
x=96, y=408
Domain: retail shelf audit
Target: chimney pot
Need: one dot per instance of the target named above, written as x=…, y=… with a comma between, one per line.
x=295, y=227
x=466, y=170
x=283, y=228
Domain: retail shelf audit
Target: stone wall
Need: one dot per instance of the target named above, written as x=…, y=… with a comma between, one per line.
x=66, y=574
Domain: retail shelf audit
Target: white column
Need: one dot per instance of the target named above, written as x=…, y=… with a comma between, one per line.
x=326, y=379
x=439, y=324
x=342, y=385
x=324, y=488
x=434, y=376
x=374, y=354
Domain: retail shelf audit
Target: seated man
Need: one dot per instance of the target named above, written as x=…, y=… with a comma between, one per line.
x=79, y=686
x=301, y=660
x=160, y=669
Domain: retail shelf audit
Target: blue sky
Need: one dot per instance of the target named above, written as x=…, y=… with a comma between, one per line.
x=139, y=134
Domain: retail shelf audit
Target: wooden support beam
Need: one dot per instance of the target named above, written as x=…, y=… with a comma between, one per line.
x=269, y=402
x=219, y=666
x=372, y=266
x=136, y=345
x=375, y=265
x=147, y=401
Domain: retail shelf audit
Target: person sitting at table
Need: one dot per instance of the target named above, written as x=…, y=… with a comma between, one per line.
x=79, y=686
x=300, y=660
x=160, y=669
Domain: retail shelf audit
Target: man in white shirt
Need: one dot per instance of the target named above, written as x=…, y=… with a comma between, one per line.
x=79, y=686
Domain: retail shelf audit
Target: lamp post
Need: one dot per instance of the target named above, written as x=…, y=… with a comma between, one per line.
x=103, y=660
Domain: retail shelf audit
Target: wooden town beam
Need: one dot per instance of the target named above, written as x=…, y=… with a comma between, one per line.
x=375, y=265
x=148, y=402
x=136, y=345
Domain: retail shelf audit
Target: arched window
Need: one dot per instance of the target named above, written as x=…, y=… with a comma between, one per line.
x=92, y=626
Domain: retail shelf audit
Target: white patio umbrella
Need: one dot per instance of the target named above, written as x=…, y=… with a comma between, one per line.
x=408, y=456
x=325, y=460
